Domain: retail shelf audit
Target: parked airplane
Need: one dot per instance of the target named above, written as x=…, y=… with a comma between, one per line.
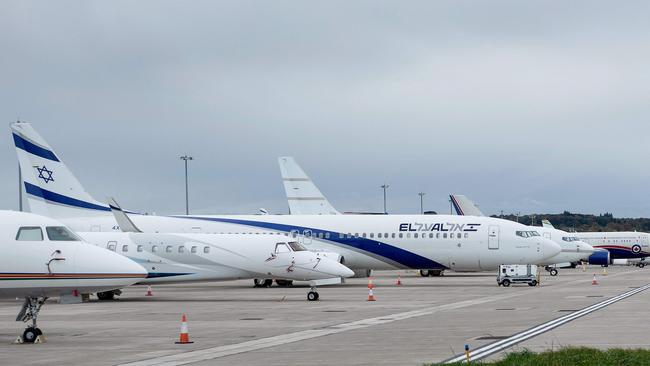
x=172, y=257
x=573, y=249
x=358, y=241
x=41, y=258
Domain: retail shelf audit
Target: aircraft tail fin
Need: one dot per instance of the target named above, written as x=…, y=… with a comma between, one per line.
x=303, y=195
x=50, y=187
x=547, y=224
x=464, y=206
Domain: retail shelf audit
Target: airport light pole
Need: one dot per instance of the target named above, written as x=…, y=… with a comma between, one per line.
x=421, y=194
x=187, y=195
x=385, y=187
x=20, y=189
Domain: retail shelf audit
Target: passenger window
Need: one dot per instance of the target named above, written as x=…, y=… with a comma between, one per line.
x=154, y=248
x=378, y=236
x=372, y=235
x=437, y=235
x=444, y=235
x=29, y=233
x=168, y=249
x=140, y=248
x=392, y=235
x=206, y=250
x=193, y=250
x=364, y=235
x=181, y=249
x=111, y=245
x=327, y=235
x=430, y=235
x=60, y=233
x=408, y=235
x=125, y=248
x=459, y=235
x=415, y=235
x=466, y=235
x=401, y=235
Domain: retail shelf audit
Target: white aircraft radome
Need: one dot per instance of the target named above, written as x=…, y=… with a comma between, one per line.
x=41, y=258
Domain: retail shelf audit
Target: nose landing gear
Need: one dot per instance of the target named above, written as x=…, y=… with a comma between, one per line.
x=29, y=311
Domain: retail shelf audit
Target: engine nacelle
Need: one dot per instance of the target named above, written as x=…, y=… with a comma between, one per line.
x=601, y=258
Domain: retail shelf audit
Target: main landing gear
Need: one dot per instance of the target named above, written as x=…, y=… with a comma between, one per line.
x=29, y=311
x=313, y=294
x=431, y=272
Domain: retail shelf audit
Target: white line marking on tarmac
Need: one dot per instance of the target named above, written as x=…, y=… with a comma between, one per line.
x=492, y=348
x=233, y=349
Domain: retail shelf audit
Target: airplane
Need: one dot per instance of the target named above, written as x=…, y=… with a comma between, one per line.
x=301, y=191
x=381, y=242
x=574, y=250
x=185, y=257
x=42, y=258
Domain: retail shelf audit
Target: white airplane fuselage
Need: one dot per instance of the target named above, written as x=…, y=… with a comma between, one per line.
x=367, y=242
x=45, y=268
x=170, y=257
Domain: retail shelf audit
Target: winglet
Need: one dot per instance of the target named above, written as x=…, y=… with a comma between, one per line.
x=123, y=220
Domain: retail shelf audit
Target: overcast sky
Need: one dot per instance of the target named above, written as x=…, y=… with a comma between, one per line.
x=527, y=106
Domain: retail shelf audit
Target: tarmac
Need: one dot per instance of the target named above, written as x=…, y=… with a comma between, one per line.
x=425, y=320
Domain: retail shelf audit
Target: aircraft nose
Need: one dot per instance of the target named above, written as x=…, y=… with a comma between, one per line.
x=119, y=270
x=334, y=268
x=585, y=248
x=550, y=248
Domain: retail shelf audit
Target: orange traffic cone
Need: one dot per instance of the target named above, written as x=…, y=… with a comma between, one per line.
x=399, y=280
x=371, y=296
x=594, y=281
x=185, y=333
x=149, y=292
x=370, y=285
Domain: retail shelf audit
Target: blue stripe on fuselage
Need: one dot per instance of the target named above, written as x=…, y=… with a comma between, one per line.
x=32, y=148
x=395, y=254
x=59, y=198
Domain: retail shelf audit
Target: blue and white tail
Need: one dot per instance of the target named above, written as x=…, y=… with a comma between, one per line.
x=464, y=206
x=303, y=195
x=50, y=187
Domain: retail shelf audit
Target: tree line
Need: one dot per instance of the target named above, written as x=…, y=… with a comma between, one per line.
x=580, y=222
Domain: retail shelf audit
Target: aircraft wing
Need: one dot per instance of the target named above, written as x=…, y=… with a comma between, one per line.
x=123, y=220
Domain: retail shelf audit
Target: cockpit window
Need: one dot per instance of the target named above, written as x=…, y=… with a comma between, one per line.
x=60, y=233
x=527, y=234
x=570, y=238
x=297, y=247
x=29, y=233
x=282, y=248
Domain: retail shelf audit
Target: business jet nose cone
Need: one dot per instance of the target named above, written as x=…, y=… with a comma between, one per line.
x=334, y=268
x=120, y=269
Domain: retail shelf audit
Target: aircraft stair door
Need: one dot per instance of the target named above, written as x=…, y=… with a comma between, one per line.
x=493, y=237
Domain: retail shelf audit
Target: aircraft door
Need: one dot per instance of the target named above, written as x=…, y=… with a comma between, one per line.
x=493, y=237
x=307, y=234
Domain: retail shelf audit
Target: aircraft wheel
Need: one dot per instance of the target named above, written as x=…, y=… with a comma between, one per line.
x=312, y=296
x=641, y=265
x=505, y=283
x=532, y=283
x=553, y=272
x=435, y=273
x=424, y=273
x=30, y=334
